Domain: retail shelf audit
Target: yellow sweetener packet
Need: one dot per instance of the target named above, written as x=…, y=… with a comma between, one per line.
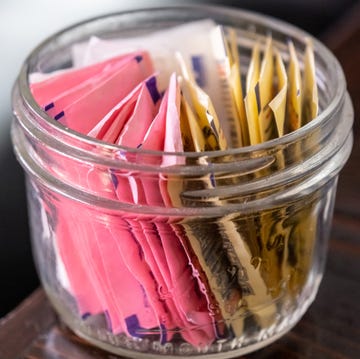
x=252, y=93
x=223, y=60
x=293, y=107
x=267, y=124
x=201, y=105
x=310, y=92
x=185, y=120
x=278, y=103
x=190, y=128
x=236, y=88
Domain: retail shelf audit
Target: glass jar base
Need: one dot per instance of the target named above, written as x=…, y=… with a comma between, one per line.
x=231, y=348
x=226, y=355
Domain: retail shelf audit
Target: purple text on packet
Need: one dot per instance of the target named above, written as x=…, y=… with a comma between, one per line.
x=133, y=326
x=59, y=115
x=151, y=86
x=49, y=106
x=198, y=67
x=114, y=179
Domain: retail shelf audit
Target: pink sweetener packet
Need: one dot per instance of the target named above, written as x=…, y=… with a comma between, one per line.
x=90, y=257
x=82, y=89
x=200, y=276
x=164, y=135
x=190, y=301
x=128, y=298
x=70, y=235
x=166, y=123
x=146, y=234
x=99, y=279
x=53, y=86
x=134, y=258
x=87, y=245
x=76, y=243
x=141, y=101
x=145, y=110
x=83, y=113
x=134, y=131
x=178, y=286
x=111, y=125
x=69, y=246
x=129, y=131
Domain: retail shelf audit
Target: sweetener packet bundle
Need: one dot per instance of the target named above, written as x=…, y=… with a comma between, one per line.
x=90, y=281
x=133, y=129
x=86, y=241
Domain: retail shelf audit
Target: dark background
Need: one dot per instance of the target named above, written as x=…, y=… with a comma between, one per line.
x=22, y=25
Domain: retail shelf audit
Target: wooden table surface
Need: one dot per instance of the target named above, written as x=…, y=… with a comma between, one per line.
x=331, y=327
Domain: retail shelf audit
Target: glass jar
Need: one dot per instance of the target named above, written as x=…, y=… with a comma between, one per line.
x=226, y=255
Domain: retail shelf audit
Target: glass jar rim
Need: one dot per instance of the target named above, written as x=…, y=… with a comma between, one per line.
x=272, y=23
